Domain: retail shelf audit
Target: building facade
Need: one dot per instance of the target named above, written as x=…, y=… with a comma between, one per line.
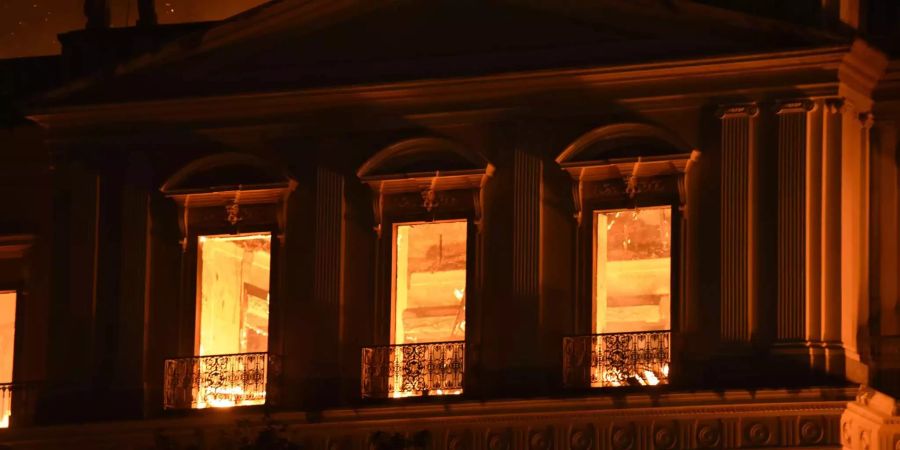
x=458, y=225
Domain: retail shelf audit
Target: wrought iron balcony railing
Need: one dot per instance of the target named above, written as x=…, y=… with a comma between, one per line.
x=6, y=390
x=220, y=380
x=617, y=359
x=413, y=370
x=18, y=398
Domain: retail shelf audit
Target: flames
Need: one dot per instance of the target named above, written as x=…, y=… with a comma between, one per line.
x=229, y=396
x=611, y=376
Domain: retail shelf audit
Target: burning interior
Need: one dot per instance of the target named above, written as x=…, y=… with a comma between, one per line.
x=232, y=319
x=7, y=342
x=429, y=300
x=632, y=292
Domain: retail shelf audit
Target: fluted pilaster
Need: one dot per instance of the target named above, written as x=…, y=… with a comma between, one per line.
x=738, y=146
x=329, y=217
x=526, y=224
x=792, y=217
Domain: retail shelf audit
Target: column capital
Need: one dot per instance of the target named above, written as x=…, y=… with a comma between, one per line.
x=737, y=110
x=838, y=105
x=867, y=119
x=789, y=106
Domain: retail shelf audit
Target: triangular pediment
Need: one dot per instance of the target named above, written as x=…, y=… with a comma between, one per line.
x=293, y=44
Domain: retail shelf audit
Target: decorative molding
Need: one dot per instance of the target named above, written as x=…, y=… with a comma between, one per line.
x=618, y=131
x=730, y=419
x=470, y=89
x=15, y=246
x=376, y=167
x=871, y=422
x=838, y=105
x=629, y=178
x=867, y=119
x=429, y=188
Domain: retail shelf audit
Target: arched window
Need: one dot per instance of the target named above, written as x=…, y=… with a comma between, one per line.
x=629, y=194
x=427, y=205
x=231, y=216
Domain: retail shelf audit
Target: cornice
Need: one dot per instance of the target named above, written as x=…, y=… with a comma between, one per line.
x=14, y=246
x=860, y=72
x=405, y=94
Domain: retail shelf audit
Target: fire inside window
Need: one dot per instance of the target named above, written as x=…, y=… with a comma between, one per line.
x=429, y=299
x=232, y=332
x=7, y=341
x=632, y=295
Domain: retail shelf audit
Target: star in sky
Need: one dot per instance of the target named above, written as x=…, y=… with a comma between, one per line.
x=30, y=27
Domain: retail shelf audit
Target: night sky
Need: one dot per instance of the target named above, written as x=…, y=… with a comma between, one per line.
x=29, y=27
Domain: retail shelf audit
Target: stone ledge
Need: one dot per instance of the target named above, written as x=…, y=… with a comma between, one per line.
x=727, y=419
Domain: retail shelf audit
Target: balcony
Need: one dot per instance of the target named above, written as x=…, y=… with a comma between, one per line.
x=220, y=381
x=19, y=398
x=413, y=370
x=617, y=359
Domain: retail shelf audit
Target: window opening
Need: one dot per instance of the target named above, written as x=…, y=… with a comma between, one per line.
x=233, y=317
x=7, y=345
x=632, y=295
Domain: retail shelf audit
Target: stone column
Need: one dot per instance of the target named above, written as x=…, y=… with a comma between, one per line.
x=871, y=422
x=329, y=260
x=799, y=178
x=738, y=222
x=885, y=252
x=830, y=232
x=854, y=234
x=526, y=254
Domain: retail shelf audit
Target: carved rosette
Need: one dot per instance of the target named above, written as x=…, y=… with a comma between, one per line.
x=665, y=435
x=581, y=437
x=622, y=436
x=498, y=440
x=759, y=433
x=811, y=430
x=540, y=439
x=708, y=434
x=340, y=443
x=459, y=440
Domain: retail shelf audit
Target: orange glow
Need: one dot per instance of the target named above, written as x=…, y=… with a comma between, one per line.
x=632, y=289
x=632, y=270
x=232, y=310
x=7, y=341
x=429, y=290
x=430, y=282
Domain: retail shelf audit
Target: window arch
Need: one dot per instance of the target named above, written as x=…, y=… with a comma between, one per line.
x=427, y=204
x=231, y=213
x=628, y=185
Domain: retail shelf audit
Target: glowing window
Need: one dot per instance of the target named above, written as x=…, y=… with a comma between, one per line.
x=429, y=301
x=233, y=317
x=7, y=341
x=633, y=270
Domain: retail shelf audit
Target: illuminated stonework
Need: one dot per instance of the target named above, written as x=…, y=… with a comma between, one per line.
x=7, y=341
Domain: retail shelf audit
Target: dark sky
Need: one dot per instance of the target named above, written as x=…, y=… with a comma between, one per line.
x=29, y=27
